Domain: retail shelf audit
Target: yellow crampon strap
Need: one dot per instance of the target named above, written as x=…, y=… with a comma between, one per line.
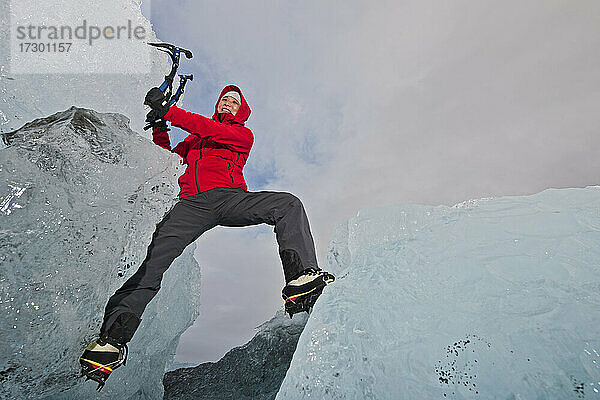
x=97, y=365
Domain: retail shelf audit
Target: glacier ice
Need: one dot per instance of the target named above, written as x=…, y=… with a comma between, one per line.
x=80, y=194
x=488, y=299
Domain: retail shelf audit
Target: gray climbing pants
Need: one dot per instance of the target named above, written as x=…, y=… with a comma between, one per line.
x=185, y=222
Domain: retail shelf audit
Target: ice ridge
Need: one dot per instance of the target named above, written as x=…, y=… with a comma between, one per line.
x=491, y=299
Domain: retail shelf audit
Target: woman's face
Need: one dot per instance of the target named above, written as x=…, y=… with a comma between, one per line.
x=228, y=104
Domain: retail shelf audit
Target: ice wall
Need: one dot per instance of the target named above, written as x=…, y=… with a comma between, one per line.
x=488, y=299
x=80, y=194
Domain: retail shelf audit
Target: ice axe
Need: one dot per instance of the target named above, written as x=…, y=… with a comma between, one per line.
x=166, y=88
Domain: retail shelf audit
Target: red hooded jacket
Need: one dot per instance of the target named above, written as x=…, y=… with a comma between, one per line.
x=215, y=152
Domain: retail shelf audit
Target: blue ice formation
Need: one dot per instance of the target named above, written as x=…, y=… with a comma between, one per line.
x=80, y=194
x=488, y=299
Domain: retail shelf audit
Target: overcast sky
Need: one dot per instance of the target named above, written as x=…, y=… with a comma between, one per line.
x=366, y=103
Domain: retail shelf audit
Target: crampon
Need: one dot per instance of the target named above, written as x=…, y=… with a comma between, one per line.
x=302, y=297
x=305, y=303
x=97, y=363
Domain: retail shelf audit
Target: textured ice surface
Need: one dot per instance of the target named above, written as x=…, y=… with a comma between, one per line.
x=489, y=299
x=80, y=195
x=253, y=371
x=26, y=97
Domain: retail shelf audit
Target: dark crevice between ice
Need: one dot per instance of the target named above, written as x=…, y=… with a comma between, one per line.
x=253, y=371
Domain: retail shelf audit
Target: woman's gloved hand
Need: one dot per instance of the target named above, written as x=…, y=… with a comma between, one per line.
x=158, y=103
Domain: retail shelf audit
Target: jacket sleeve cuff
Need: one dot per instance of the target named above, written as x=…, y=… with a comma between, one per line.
x=169, y=113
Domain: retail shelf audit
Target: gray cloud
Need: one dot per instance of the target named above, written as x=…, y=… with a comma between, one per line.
x=359, y=104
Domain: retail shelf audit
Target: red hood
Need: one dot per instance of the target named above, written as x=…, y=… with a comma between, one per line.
x=243, y=112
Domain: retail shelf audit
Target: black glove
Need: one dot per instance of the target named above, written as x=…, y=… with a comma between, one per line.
x=159, y=123
x=154, y=116
x=158, y=103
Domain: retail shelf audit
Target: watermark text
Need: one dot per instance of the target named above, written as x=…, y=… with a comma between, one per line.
x=90, y=33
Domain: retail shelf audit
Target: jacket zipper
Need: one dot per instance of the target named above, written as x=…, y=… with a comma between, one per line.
x=229, y=169
x=196, y=166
